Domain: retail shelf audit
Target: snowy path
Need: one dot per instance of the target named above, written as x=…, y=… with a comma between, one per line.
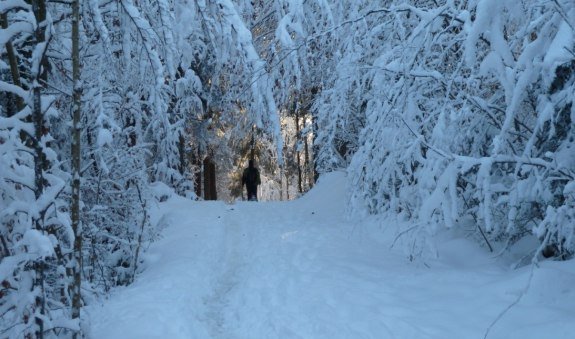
x=298, y=270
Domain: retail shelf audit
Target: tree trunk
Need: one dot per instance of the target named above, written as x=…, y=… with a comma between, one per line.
x=213, y=187
x=39, y=9
x=287, y=186
x=198, y=172
x=39, y=74
x=282, y=174
x=182, y=150
x=141, y=234
x=210, y=192
x=15, y=72
x=306, y=165
x=298, y=153
x=76, y=170
x=315, y=149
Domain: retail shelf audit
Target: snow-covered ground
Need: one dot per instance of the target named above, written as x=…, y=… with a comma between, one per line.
x=301, y=270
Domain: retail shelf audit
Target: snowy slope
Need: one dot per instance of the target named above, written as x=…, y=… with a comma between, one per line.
x=300, y=270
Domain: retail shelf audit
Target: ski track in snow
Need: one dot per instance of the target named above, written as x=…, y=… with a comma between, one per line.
x=299, y=270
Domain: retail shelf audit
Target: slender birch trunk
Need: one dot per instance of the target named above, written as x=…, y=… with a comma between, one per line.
x=39, y=73
x=76, y=157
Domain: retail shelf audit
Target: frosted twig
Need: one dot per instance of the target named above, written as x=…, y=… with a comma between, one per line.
x=425, y=143
x=515, y=302
x=404, y=232
x=484, y=236
x=563, y=14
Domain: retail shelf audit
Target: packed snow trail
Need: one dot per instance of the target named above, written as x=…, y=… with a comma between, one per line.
x=300, y=270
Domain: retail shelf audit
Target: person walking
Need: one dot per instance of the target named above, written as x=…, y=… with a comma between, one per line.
x=251, y=179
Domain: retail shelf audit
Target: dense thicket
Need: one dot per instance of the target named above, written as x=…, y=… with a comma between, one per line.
x=457, y=110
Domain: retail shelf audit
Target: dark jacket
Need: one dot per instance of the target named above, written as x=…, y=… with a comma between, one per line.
x=251, y=177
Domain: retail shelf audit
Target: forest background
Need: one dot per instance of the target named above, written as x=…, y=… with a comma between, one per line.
x=449, y=114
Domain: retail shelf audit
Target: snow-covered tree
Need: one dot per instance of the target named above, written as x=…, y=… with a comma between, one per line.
x=37, y=237
x=462, y=109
